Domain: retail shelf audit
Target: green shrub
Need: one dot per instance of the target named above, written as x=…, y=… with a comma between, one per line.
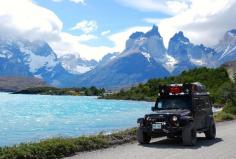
x=230, y=109
x=222, y=116
x=62, y=147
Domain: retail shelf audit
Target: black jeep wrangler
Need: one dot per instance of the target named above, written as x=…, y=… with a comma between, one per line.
x=181, y=110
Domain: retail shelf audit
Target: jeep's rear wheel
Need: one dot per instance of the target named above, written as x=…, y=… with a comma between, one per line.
x=211, y=132
x=189, y=135
x=142, y=137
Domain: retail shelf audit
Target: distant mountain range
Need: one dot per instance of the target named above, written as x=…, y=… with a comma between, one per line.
x=226, y=48
x=32, y=59
x=144, y=57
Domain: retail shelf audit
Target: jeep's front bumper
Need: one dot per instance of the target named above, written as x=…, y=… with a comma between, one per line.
x=166, y=127
x=164, y=131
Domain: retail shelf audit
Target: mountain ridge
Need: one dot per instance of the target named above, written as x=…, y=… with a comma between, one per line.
x=144, y=57
x=181, y=55
x=20, y=57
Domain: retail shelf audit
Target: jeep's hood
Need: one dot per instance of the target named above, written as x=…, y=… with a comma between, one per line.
x=179, y=112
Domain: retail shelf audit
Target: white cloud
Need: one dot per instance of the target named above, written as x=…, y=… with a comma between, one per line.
x=177, y=6
x=86, y=26
x=152, y=20
x=203, y=22
x=106, y=32
x=78, y=1
x=168, y=7
x=120, y=38
x=75, y=1
x=72, y=44
x=29, y=20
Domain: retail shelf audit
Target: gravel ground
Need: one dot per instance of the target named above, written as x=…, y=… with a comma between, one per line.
x=223, y=147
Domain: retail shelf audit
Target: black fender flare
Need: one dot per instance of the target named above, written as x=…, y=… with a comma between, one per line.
x=209, y=120
x=185, y=120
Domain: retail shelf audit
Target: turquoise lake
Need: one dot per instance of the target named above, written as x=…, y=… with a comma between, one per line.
x=30, y=118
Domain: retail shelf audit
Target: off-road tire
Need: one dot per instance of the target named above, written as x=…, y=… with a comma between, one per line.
x=189, y=135
x=142, y=137
x=211, y=132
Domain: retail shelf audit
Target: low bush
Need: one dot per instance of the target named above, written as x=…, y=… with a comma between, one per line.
x=62, y=147
x=223, y=116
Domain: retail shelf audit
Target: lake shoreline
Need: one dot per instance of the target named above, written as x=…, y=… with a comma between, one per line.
x=92, y=91
x=66, y=147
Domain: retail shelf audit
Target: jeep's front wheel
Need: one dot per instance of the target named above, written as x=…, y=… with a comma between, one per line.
x=142, y=137
x=189, y=135
x=211, y=132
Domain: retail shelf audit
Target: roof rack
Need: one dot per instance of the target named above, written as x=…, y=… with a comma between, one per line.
x=195, y=88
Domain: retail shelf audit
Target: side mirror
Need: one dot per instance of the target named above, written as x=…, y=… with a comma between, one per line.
x=140, y=120
x=153, y=108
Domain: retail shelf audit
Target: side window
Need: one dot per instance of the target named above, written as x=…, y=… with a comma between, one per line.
x=159, y=105
x=199, y=102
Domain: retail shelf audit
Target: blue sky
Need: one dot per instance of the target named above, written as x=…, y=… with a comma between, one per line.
x=93, y=28
x=110, y=15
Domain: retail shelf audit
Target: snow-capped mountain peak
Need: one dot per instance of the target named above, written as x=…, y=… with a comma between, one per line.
x=19, y=57
x=150, y=42
x=38, y=56
x=144, y=57
x=226, y=48
x=187, y=55
x=77, y=65
x=178, y=46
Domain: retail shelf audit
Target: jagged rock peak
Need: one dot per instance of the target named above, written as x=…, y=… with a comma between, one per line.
x=180, y=37
x=153, y=32
x=137, y=35
x=233, y=31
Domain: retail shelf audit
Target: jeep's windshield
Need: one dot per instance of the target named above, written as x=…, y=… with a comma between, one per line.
x=174, y=103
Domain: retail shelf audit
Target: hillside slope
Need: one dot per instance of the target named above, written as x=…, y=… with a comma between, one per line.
x=215, y=80
x=12, y=84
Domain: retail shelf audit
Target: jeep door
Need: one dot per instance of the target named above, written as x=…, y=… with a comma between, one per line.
x=199, y=112
x=207, y=110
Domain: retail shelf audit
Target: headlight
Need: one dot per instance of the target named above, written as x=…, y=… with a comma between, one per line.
x=174, y=118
